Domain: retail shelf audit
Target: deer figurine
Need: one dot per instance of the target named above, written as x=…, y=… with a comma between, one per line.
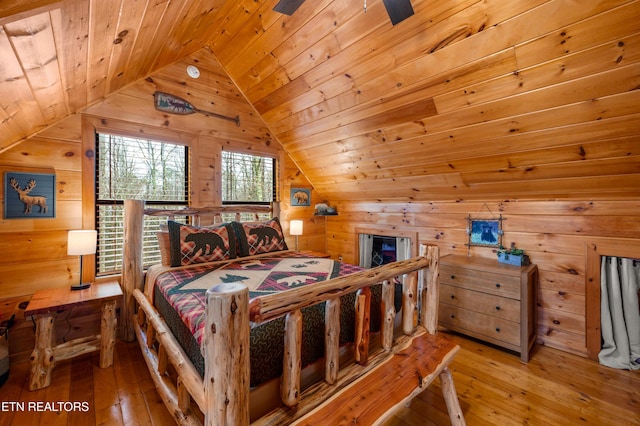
x=29, y=200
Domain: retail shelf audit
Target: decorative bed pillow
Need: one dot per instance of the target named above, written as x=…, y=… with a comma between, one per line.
x=191, y=244
x=260, y=237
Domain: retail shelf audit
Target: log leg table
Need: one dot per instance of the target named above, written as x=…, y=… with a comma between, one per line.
x=46, y=303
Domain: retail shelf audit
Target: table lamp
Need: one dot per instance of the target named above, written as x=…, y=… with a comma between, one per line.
x=295, y=228
x=79, y=243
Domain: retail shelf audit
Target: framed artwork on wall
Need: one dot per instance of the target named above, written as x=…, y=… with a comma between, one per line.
x=300, y=197
x=29, y=195
x=485, y=232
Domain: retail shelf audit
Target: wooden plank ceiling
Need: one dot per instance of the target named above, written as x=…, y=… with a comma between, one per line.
x=465, y=99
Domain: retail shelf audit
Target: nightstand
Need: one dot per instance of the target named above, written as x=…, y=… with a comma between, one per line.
x=44, y=306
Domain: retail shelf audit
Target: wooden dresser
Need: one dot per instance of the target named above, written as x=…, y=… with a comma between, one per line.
x=490, y=301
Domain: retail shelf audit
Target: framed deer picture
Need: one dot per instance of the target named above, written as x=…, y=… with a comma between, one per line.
x=29, y=195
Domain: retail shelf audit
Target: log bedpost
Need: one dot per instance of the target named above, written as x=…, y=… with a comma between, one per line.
x=226, y=349
x=332, y=340
x=363, y=325
x=292, y=360
x=430, y=292
x=132, y=269
x=409, y=303
x=388, y=310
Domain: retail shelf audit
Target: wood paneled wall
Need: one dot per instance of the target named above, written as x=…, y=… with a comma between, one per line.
x=314, y=227
x=556, y=235
x=33, y=252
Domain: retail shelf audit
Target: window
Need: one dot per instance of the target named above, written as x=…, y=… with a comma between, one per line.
x=132, y=168
x=248, y=179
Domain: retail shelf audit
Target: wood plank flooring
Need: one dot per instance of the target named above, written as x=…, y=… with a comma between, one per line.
x=494, y=388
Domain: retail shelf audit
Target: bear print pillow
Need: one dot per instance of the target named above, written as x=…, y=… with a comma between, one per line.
x=260, y=237
x=191, y=244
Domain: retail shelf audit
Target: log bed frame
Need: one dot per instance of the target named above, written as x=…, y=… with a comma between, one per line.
x=365, y=392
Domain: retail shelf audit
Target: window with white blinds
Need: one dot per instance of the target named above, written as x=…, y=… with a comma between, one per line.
x=248, y=179
x=133, y=168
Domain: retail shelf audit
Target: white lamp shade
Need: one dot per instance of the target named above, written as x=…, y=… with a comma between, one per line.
x=295, y=227
x=82, y=242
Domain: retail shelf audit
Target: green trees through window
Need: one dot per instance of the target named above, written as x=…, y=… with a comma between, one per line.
x=247, y=178
x=133, y=168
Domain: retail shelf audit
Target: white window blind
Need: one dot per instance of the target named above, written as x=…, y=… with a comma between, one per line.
x=132, y=168
x=247, y=178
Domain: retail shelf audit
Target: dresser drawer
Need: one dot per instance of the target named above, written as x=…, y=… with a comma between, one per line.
x=480, y=325
x=501, y=307
x=486, y=282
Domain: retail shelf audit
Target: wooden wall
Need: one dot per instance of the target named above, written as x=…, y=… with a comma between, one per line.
x=556, y=234
x=33, y=252
x=314, y=227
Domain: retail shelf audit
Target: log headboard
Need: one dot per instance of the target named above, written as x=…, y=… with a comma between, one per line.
x=216, y=212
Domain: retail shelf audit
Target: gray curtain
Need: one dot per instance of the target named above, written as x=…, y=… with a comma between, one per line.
x=620, y=313
x=403, y=248
x=366, y=249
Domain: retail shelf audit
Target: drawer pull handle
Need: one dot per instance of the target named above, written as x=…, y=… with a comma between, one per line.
x=453, y=316
x=453, y=277
x=498, y=285
x=497, y=308
x=453, y=296
x=498, y=329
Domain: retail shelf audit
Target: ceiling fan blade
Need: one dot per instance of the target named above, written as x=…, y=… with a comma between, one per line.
x=287, y=7
x=398, y=10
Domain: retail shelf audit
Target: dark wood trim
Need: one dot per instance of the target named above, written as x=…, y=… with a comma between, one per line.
x=88, y=151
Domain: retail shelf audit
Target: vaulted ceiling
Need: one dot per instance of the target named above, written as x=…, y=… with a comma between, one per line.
x=465, y=99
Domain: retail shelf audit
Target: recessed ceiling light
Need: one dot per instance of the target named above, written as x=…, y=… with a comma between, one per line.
x=193, y=71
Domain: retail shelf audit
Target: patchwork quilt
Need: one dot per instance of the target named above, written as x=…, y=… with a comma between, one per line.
x=185, y=289
x=180, y=298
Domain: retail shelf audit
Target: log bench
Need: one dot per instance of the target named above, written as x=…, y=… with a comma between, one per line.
x=375, y=396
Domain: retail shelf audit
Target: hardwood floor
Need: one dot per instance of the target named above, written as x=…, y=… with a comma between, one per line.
x=494, y=388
